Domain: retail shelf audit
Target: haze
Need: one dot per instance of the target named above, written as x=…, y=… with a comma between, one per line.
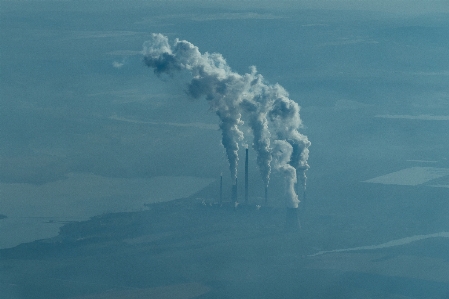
x=89, y=133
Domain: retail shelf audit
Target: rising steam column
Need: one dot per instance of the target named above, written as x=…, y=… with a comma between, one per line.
x=234, y=196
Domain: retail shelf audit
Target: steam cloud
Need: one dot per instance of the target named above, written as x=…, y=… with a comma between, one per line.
x=273, y=118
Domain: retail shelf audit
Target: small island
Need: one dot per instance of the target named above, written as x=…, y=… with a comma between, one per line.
x=3, y=216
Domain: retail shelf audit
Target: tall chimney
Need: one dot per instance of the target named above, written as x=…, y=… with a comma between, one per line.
x=221, y=188
x=246, y=176
x=234, y=192
x=297, y=182
x=266, y=194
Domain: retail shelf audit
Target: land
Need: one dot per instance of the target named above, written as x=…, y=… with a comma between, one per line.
x=195, y=248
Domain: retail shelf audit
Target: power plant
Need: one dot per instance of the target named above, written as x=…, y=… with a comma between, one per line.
x=234, y=189
x=273, y=118
x=292, y=221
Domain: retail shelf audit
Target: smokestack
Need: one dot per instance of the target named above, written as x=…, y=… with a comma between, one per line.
x=292, y=223
x=266, y=194
x=234, y=192
x=246, y=176
x=297, y=183
x=221, y=188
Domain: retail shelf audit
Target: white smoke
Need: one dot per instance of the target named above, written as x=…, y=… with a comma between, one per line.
x=282, y=151
x=271, y=115
x=284, y=114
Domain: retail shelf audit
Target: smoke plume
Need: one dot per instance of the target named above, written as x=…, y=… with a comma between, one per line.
x=273, y=118
x=282, y=151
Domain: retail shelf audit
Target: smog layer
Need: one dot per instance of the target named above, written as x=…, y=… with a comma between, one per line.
x=121, y=120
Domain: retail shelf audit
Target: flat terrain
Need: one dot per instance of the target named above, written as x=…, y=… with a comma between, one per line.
x=192, y=248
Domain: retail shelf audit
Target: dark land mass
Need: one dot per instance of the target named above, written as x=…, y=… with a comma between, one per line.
x=3, y=216
x=191, y=248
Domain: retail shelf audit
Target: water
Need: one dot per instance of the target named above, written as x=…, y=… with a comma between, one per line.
x=38, y=211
